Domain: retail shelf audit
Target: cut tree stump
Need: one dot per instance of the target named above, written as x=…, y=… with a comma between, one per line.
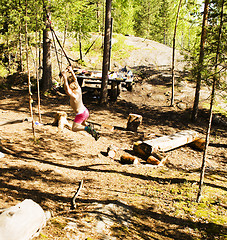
x=111, y=151
x=166, y=143
x=22, y=222
x=134, y=120
x=61, y=121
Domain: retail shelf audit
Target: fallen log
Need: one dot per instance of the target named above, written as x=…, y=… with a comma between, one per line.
x=166, y=143
x=22, y=222
x=153, y=160
x=128, y=159
x=198, y=144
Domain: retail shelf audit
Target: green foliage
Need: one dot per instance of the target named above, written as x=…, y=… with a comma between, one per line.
x=207, y=70
x=3, y=71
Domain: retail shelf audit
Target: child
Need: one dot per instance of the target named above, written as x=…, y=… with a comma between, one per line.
x=76, y=102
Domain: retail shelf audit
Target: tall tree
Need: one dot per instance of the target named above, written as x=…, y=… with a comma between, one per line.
x=215, y=77
x=162, y=23
x=46, y=82
x=106, y=54
x=28, y=69
x=200, y=63
x=173, y=55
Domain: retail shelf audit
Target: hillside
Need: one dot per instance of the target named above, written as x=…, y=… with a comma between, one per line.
x=117, y=201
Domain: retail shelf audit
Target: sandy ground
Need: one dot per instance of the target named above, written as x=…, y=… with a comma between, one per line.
x=116, y=201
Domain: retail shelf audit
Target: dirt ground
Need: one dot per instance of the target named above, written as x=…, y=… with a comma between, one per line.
x=116, y=201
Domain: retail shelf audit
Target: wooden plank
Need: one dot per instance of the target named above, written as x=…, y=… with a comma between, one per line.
x=100, y=79
x=167, y=143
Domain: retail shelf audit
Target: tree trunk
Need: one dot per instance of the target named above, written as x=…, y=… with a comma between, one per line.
x=37, y=63
x=111, y=31
x=200, y=64
x=106, y=54
x=46, y=83
x=173, y=57
x=28, y=71
x=80, y=47
x=20, y=65
x=211, y=105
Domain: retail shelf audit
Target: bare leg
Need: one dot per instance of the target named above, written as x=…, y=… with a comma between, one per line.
x=76, y=127
x=81, y=127
x=84, y=123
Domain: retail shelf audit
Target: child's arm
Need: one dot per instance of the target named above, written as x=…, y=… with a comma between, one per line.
x=73, y=75
x=66, y=84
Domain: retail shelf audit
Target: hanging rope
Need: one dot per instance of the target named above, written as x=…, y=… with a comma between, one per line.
x=56, y=52
x=53, y=33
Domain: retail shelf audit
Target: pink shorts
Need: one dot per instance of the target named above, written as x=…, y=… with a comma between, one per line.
x=81, y=116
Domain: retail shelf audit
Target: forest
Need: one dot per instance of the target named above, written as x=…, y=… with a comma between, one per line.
x=176, y=52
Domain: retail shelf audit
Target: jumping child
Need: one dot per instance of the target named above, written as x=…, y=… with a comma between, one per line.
x=74, y=91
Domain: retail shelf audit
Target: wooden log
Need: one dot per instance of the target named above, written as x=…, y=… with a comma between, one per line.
x=198, y=144
x=111, y=151
x=22, y=222
x=153, y=160
x=134, y=120
x=157, y=158
x=167, y=143
x=61, y=121
x=128, y=159
x=139, y=150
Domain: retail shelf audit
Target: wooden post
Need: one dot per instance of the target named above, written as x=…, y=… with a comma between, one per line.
x=134, y=120
x=114, y=91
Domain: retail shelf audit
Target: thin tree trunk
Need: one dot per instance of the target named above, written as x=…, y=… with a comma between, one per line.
x=28, y=70
x=47, y=67
x=111, y=32
x=37, y=64
x=173, y=56
x=211, y=105
x=80, y=47
x=106, y=54
x=8, y=52
x=200, y=64
x=20, y=66
x=40, y=54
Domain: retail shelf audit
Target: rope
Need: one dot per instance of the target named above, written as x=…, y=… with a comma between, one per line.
x=56, y=52
x=54, y=34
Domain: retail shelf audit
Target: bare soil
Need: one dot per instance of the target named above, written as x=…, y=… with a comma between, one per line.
x=116, y=201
